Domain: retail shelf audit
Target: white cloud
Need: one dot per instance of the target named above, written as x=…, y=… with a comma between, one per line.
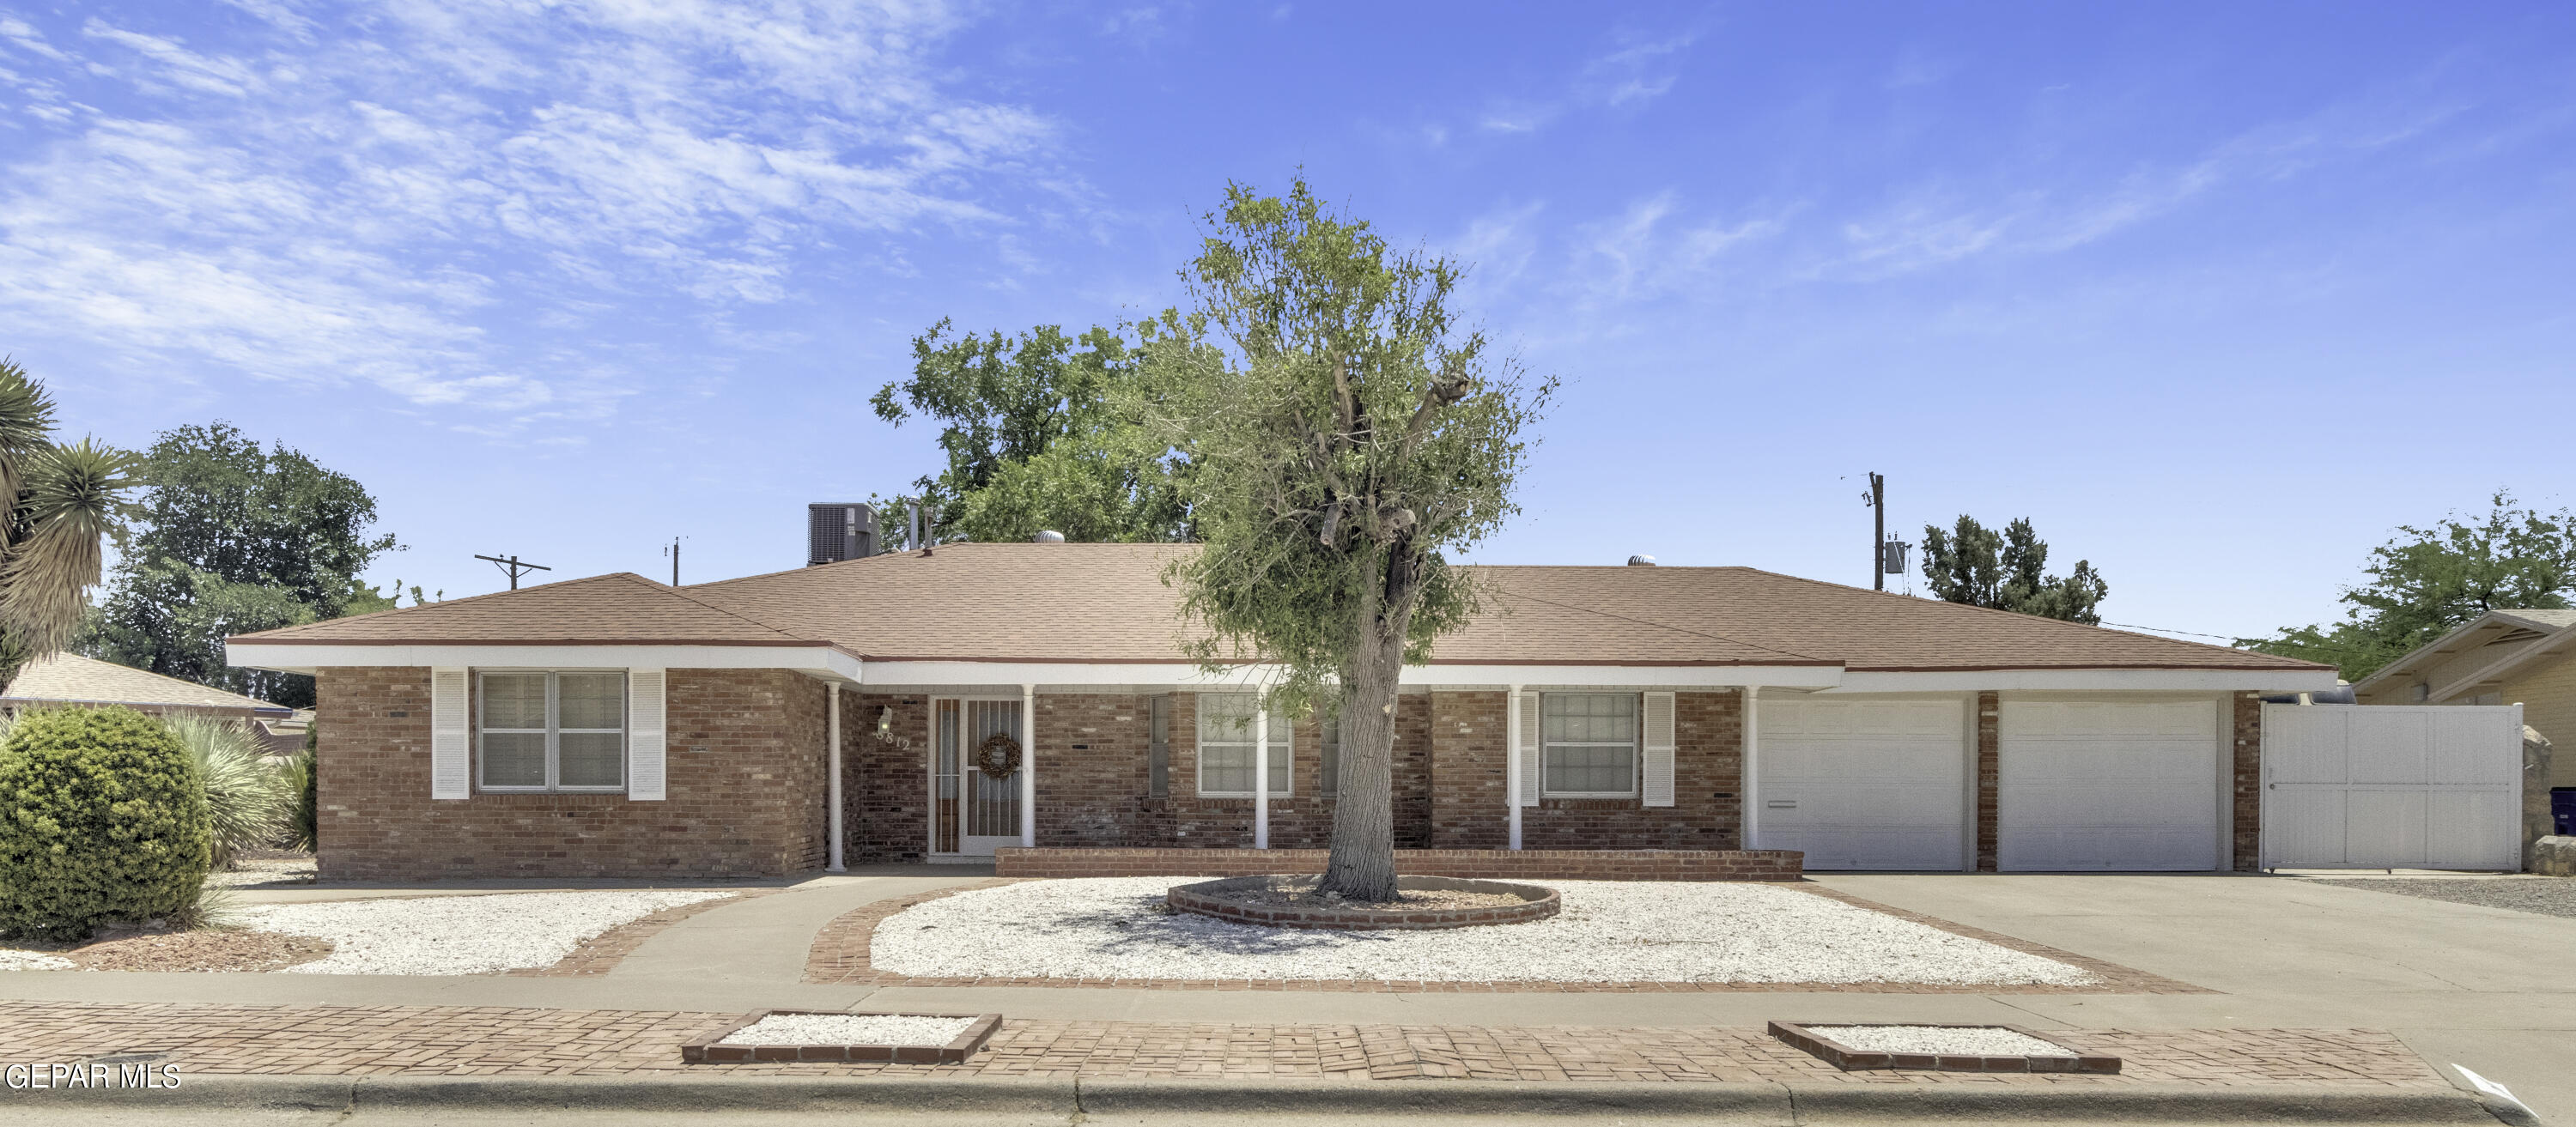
x=406, y=199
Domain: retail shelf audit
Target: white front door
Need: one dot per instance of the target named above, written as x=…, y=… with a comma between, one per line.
x=1863, y=784
x=972, y=812
x=2108, y=785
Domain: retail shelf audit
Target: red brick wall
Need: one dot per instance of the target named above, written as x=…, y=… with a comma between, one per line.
x=1990, y=773
x=885, y=783
x=1708, y=807
x=2247, y=827
x=745, y=789
x=1562, y=864
x=1468, y=765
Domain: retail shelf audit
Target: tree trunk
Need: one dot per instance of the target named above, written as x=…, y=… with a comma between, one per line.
x=1362, y=864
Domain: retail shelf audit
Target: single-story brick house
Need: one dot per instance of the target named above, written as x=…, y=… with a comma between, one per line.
x=618, y=726
x=2524, y=656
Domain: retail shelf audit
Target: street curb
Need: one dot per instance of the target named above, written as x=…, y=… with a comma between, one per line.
x=1785, y=1103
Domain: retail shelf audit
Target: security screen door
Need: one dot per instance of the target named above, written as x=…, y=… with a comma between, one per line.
x=972, y=812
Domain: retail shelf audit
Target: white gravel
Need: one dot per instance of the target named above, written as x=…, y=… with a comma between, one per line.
x=1609, y=931
x=849, y=1029
x=438, y=935
x=1984, y=1041
x=13, y=959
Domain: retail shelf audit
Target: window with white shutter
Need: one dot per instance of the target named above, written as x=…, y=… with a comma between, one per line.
x=450, y=736
x=1659, y=750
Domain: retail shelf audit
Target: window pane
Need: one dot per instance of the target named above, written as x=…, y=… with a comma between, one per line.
x=1279, y=776
x=514, y=759
x=1597, y=769
x=1329, y=738
x=1589, y=717
x=590, y=759
x=590, y=700
x=1226, y=717
x=514, y=700
x=1225, y=769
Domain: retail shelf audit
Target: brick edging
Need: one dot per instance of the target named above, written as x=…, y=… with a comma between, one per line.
x=1489, y=864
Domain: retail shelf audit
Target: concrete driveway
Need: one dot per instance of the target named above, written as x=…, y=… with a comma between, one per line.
x=2488, y=988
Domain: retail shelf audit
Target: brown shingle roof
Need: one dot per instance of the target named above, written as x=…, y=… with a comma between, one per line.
x=620, y=608
x=1107, y=603
x=73, y=679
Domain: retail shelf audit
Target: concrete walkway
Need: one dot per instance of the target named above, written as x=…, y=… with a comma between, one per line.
x=764, y=939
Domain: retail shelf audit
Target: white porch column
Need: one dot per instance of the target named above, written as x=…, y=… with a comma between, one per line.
x=1752, y=770
x=1512, y=760
x=1261, y=778
x=832, y=756
x=1029, y=765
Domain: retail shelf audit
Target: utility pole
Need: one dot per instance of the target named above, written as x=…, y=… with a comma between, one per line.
x=512, y=565
x=1877, y=502
x=674, y=552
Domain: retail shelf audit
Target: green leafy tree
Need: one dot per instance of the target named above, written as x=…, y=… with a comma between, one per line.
x=235, y=538
x=1347, y=436
x=1040, y=431
x=1978, y=566
x=64, y=502
x=2427, y=581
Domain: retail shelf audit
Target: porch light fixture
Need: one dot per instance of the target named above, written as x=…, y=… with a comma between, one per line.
x=885, y=721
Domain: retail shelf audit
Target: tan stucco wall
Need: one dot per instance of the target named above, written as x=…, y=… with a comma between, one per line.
x=2546, y=691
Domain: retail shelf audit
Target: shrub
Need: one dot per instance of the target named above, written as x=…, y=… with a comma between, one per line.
x=102, y=817
x=246, y=798
x=303, y=775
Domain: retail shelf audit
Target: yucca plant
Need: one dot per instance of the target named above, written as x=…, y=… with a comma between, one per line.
x=63, y=502
x=246, y=798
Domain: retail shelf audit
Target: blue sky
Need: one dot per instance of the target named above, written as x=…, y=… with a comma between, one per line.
x=2216, y=294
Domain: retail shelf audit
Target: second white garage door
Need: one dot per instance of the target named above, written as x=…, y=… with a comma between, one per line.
x=1863, y=784
x=2108, y=785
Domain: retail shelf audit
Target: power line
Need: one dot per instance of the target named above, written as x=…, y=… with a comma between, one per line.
x=2162, y=630
x=512, y=565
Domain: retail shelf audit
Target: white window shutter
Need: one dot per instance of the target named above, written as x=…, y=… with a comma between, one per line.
x=645, y=690
x=451, y=743
x=1659, y=749
x=1531, y=759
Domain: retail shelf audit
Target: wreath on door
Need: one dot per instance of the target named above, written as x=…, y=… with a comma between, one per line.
x=998, y=756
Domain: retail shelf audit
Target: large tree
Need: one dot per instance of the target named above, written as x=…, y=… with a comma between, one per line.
x=235, y=538
x=2426, y=581
x=1978, y=566
x=1348, y=436
x=1040, y=432
x=64, y=501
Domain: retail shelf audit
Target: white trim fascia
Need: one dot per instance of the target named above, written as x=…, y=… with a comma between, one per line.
x=910, y=675
x=821, y=661
x=2090, y=680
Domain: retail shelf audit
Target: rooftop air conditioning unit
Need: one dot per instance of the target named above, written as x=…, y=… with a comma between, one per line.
x=836, y=532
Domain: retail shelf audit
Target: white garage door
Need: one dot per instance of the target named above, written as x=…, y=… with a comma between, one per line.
x=2392, y=786
x=2108, y=785
x=1861, y=784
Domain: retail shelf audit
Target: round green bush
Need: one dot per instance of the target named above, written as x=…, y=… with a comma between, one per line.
x=102, y=817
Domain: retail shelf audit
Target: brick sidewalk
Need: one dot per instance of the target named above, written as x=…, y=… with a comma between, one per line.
x=841, y=955
x=491, y=1041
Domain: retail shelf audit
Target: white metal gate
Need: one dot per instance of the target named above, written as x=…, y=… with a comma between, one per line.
x=2392, y=786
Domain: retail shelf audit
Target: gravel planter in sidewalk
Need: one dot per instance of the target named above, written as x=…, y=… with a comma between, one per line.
x=441, y=935
x=1970, y=1040
x=2545, y=896
x=848, y=1029
x=1608, y=931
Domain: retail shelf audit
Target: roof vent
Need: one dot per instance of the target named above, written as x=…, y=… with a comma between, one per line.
x=1049, y=536
x=836, y=532
x=1641, y=561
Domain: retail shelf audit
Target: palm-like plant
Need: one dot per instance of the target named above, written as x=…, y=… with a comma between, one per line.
x=246, y=796
x=63, y=501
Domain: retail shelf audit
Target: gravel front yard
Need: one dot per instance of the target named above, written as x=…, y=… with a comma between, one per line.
x=1971, y=1041
x=849, y=1029
x=438, y=935
x=1609, y=931
x=2546, y=896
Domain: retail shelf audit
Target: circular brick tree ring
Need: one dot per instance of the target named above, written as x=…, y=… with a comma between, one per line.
x=1223, y=900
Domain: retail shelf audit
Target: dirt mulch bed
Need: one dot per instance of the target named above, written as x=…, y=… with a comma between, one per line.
x=198, y=951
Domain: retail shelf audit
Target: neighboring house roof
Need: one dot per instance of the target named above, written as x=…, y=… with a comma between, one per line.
x=2512, y=639
x=1106, y=603
x=73, y=679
